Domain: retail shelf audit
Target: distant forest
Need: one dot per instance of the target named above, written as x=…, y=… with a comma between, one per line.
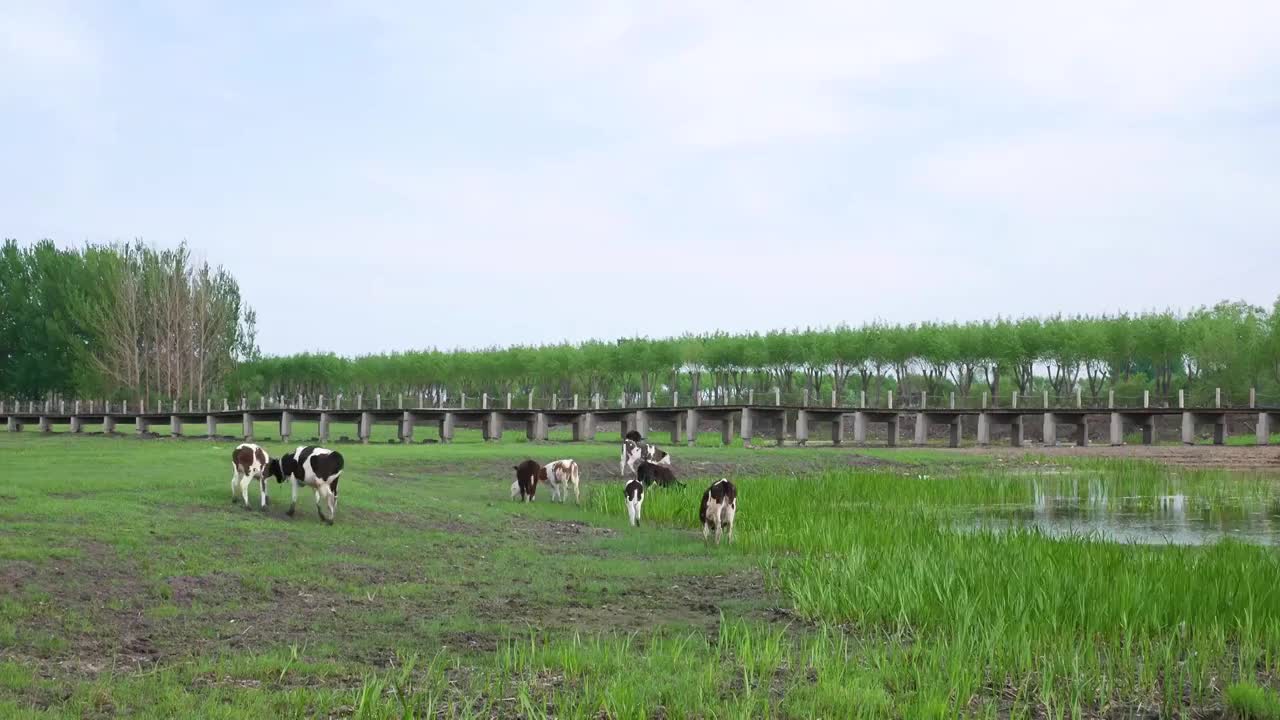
x=132, y=322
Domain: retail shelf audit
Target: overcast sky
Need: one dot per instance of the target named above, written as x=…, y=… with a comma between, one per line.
x=388, y=175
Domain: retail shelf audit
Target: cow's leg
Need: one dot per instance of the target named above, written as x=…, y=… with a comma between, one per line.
x=318, y=510
x=293, y=495
x=729, y=513
x=245, y=481
x=577, y=499
x=325, y=493
x=262, y=488
x=235, y=485
x=622, y=463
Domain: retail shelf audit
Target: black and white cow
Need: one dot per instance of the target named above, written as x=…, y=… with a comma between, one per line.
x=634, y=493
x=635, y=451
x=650, y=473
x=248, y=463
x=317, y=468
x=719, y=505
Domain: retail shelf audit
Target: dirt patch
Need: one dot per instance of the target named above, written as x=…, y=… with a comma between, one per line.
x=1223, y=457
x=212, y=589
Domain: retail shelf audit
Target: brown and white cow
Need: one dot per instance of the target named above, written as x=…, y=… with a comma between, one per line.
x=249, y=462
x=317, y=468
x=526, y=484
x=719, y=505
x=561, y=475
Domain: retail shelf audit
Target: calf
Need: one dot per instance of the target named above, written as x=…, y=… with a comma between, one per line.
x=561, y=475
x=635, y=451
x=649, y=473
x=634, y=493
x=248, y=463
x=317, y=468
x=719, y=505
x=526, y=480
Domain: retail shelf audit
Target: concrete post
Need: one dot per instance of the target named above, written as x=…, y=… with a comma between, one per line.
x=777, y=396
x=955, y=432
x=323, y=429
x=446, y=428
x=377, y=401
x=493, y=427
x=675, y=399
x=642, y=422
x=1188, y=428
x=596, y=400
x=1050, y=429
x=1079, y=403
x=575, y=401
x=746, y=428
x=726, y=429
x=108, y=424
x=984, y=401
x=399, y=401
x=584, y=427
x=1149, y=430
x=536, y=427
x=422, y=400
x=889, y=393
x=360, y=400
x=751, y=396
x=648, y=399
x=337, y=402
x=622, y=401
x=953, y=399
x=1182, y=400
x=1111, y=399
x=1082, y=431
x=924, y=400
x=922, y=427
x=1044, y=398
x=862, y=399
x=210, y=425
x=1220, y=430
x=1117, y=429
x=691, y=426
x=1217, y=397
x=246, y=427
x=225, y=407
x=1015, y=431
x=175, y=426
x=1146, y=399
x=365, y=429
x=262, y=402
x=484, y=401
x=286, y=425
x=675, y=430
x=1264, y=428
x=1253, y=398
x=11, y=424
x=837, y=431
x=833, y=398
x=46, y=426
x=463, y=399
x=1014, y=404
x=805, y=401
x=893, y=430
x=75, y=424
x=780, y=430
x=141, y=425
x=802, y=426
x=530, y=400
x=860, y=428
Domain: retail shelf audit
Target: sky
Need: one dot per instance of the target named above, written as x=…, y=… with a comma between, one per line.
x=389, y=175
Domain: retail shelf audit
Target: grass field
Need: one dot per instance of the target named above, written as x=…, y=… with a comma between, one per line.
x=131, y=586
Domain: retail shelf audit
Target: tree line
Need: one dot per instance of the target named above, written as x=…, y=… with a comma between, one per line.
x=1234, y=346
x=118, y=321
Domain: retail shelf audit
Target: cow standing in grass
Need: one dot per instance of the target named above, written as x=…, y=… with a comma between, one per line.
x=634, y=493
x=526, y=484
x=635, y=451
x=650, y=473
x=317, y=468
x=719, y=505
x=249, y=462
x=561, y=475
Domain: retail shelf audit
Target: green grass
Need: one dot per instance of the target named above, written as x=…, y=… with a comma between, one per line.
x=132, y=587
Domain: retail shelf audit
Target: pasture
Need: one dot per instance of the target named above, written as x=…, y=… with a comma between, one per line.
x=909, y=583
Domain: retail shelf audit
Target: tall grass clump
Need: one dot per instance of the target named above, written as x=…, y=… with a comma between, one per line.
x=1058, y=623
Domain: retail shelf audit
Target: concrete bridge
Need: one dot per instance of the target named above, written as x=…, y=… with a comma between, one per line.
x=738, y=420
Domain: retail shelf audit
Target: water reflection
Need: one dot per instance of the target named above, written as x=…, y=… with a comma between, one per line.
x=1171, y=515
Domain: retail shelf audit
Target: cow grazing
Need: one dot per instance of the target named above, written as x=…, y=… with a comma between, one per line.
x=650, y=473
x=318, y=469
x=561, y=475
x=526, y=480
x=248, y=463
x=634, y=493
x=719, y=505
x=635, y=451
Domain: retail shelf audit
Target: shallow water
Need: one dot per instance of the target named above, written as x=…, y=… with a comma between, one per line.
x=1177, y=512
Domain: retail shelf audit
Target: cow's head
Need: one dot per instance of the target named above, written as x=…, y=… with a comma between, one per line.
x=281, y=468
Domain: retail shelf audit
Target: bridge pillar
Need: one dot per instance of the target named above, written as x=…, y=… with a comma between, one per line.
x=837, y=431
x=677, y=430
x=175, y=426
x=540, y=427
x=642, y=422
x=286, y=425
x=1082, y=431
x=141, y=425
x=493, y=427
x=322, y=428
x=77, y=425
x=108, y=424
x=1117, y=429
x=246, y=427
x=406, y=428
x=802, y=427
x=1015, y=431
x=364, y=427
x=11, y=424
x=46, y=426
x=210, y=425
x=893, y=429
x=584, y=427
x=984, y=429
x=626, y=424
x=922, y=429
x=860, y=428
x=446, y=428
x=954, y=435
x=746, y=427
x=780, y=428
x=726, y=429
x=691, y=426
x=1266, y=421
x=1050, y=429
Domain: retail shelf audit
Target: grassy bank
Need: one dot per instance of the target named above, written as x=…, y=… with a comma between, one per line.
x=859, y=587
